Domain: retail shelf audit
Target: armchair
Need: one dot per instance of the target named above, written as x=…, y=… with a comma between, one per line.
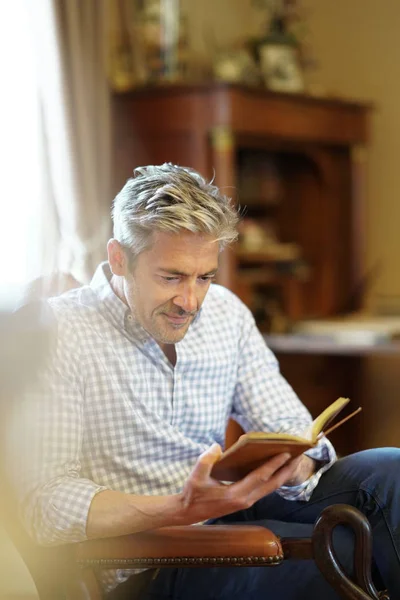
x=68, y=572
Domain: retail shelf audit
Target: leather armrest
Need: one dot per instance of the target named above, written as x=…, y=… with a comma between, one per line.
x=213, y=544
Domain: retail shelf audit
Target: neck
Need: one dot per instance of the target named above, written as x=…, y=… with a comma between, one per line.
x=169, y=351
x=117, y=285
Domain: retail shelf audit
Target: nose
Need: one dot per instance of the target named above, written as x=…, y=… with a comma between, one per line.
x=187, y=299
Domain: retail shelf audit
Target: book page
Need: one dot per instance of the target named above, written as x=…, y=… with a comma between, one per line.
x=326, y=417
x=261, y=436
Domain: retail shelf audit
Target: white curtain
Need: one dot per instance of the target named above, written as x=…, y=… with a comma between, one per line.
x=55, y=139
x=82, y=37
x=22, y=181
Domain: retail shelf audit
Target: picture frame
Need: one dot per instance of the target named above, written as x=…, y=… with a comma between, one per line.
x=281, y=68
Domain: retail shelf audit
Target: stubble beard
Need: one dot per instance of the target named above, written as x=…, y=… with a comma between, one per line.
x=169, y=333
x=160, y=328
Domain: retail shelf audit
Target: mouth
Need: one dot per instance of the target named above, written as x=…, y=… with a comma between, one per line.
x=176, y=319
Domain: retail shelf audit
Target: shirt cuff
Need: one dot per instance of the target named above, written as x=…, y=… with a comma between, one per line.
x=62, y=517
x=325, y=454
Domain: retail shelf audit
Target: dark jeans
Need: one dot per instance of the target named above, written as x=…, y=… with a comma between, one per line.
x=368, y=480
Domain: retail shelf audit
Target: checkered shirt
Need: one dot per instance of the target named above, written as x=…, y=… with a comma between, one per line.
x=111, y=412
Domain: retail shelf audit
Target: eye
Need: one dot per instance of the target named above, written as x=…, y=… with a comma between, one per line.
x=169, y=279
x=207, y=278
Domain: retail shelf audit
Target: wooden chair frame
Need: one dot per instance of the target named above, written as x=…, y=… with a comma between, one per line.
x=68, y=572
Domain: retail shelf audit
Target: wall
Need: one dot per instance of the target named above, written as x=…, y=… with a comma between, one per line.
x=218, y=23
x=355, y=42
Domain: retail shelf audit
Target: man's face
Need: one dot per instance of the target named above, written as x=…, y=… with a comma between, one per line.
x=169, y=282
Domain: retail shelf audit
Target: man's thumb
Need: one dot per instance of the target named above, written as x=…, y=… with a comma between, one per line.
x=207, y=460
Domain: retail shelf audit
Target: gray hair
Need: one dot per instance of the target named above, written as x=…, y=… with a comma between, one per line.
x=170, y=198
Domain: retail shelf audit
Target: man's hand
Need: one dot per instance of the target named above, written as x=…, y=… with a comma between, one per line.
x=304, y=467
x=205, y=498
x=116, y=513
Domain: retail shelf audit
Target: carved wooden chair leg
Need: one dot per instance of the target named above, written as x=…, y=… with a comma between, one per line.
x=326, y=559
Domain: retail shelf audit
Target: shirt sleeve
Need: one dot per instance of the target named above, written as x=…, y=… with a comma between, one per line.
x=44, y=447
x=325, y=454
x=264, y=401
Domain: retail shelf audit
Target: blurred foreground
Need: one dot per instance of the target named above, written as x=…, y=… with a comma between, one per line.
x=25, y=342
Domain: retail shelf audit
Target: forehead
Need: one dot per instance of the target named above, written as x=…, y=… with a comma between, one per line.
x=177, y=249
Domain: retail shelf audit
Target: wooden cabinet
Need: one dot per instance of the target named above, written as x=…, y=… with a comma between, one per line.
x=298, y=164
x=310, y=149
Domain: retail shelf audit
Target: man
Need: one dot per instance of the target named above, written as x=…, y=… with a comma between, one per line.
x=152, y=359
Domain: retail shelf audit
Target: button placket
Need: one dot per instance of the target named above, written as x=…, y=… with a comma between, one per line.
x=178, y=396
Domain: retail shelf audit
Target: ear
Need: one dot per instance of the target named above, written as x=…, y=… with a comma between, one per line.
x=117, y=258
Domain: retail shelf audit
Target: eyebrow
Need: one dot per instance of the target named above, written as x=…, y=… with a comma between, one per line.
x=182, y=274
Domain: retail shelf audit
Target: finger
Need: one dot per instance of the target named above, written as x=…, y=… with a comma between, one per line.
x=302, y=470
x=289, y=473
x=295, y=462
x=278, y=479
x=206, y=461
x=263, y=475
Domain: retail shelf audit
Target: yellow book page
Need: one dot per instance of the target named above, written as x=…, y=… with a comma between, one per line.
x=322, y=421
x=260, y=436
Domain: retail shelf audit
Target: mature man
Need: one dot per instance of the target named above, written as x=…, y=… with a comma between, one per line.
x=126, y=422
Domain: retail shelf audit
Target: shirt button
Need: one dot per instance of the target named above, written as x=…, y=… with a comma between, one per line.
x=129, y=317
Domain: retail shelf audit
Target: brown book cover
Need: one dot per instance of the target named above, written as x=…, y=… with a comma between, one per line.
x=254, y=448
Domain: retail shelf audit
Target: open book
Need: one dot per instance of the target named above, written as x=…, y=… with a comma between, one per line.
x=254, y=448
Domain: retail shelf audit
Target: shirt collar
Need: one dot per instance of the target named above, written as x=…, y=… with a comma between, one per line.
x=116, y=311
